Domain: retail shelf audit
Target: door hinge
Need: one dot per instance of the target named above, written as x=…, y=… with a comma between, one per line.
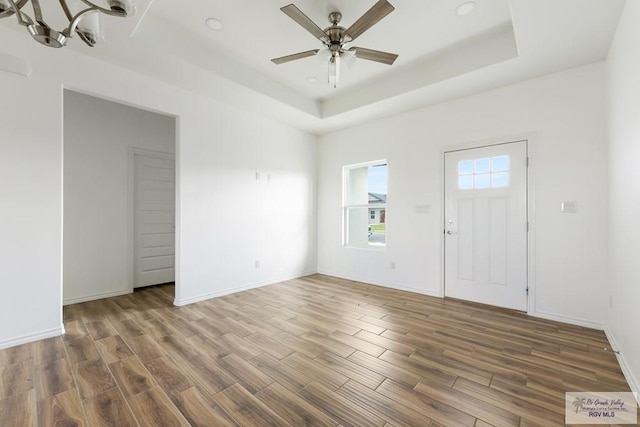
x=527, y=290
x=527, y=226
x=528, y=161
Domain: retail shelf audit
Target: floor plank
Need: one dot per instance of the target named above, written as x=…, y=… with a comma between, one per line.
x=153, y=408
x=53, y=377
x=345, y=411
x=18, y=410
x=293, y=408
x=93, y=377
x=132, y=377
x=109, y=409
x=247, y=375
x=113, y=349
x=62, y=409
x=167, y=373
x=16, y=378
x=200, y=410
x=438, y=411
x=246, y=409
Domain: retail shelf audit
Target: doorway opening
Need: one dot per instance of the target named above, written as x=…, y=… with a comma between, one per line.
x=98, y=219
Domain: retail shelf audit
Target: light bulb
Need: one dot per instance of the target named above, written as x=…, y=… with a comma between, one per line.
x=334, y=70
x=89, y=25
x=349, y=58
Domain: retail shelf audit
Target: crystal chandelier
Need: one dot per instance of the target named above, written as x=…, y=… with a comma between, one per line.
x=85, y=23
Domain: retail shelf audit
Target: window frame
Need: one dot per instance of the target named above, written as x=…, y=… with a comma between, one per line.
x=490, y=174
x=346, y=207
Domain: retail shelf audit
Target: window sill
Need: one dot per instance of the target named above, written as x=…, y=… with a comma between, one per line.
x=371, y=248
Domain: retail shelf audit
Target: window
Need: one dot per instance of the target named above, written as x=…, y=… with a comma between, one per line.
x=483, y=173
x=365, y=204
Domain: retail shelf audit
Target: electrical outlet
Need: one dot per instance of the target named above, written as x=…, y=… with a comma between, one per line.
x=257, y=264
x=393, y=265
x=257, y=176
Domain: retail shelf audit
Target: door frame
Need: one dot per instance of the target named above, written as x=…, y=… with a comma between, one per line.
x=531, y=245
x=131, y=206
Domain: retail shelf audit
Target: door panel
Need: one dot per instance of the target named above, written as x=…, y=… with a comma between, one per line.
x=486, y=225
x=498, y=243
x=465, y=239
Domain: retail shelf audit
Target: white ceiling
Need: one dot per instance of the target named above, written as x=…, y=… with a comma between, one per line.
x=256, y=31
x=441, y=55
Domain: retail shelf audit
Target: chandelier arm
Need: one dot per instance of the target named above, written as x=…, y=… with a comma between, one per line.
x=37, y=11
x=76, y=20
x=21, y=15
x=66, y=10
x=94, y=6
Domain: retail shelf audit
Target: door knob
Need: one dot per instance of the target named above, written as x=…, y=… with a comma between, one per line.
x=449, y=232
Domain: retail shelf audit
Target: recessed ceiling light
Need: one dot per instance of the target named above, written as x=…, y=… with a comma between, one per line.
x=312, y=80
x=214, y=23
x=466, y=8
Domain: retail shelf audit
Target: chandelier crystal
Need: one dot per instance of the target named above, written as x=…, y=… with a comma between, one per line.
x=85, y=23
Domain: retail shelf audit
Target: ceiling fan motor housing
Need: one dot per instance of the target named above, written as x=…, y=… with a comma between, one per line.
x=335, y=33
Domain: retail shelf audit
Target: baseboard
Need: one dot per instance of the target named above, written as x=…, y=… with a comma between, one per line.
x=634, y=384
x=32, y=337
x=249, y=286
x=95, y=297
x=569, y=320
x=381, y=284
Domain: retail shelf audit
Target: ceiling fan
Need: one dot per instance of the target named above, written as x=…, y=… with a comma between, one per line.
x=335, y=37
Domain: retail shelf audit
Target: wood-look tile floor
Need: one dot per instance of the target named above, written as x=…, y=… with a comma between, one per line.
x=312, y=351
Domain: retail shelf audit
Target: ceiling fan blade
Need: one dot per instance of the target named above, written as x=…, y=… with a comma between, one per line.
x=369, y=19
x=295, y=56
x=303, y=20
x=374, y=55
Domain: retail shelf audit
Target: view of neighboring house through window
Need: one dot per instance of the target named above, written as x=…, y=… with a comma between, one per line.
x=365, y=204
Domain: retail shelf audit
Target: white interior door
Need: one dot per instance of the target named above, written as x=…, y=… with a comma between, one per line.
x=154, y=219
x=486, y=225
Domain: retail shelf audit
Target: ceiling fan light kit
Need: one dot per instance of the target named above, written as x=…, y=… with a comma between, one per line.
x=335, y=37
x=85, y=22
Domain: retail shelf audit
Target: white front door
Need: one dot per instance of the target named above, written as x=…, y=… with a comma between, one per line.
x=486, y=225
x=154, y=219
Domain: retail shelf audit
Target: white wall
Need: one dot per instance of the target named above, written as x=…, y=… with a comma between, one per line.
x=30, y=208
x=223, y=211
x=234, y=219
x=623, y=69
x=97, y=137
x=563, y=115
